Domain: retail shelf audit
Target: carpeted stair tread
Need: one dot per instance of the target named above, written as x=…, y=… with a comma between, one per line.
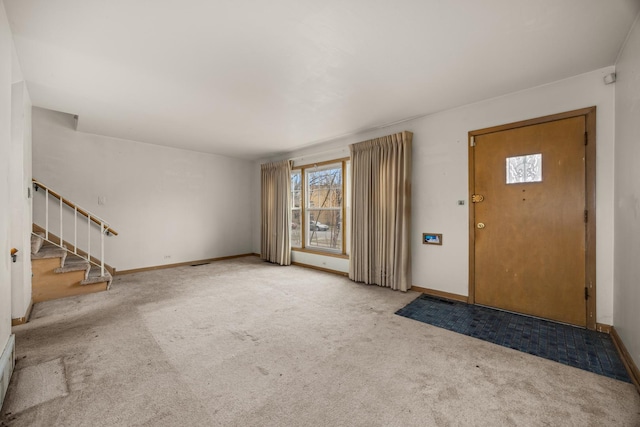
x=74, y=263
x=50, y=251
x=94, y=276
x=36, y=242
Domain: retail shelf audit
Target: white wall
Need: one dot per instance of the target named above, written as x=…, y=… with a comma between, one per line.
x=20, y=177
x=255, y=207
x=5, y=208
x=440, y=177
x=169, y=205
x=627, y=195
x=15, y=211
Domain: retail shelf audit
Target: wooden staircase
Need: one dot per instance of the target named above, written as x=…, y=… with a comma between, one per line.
x=59, y=274
x=62, y=269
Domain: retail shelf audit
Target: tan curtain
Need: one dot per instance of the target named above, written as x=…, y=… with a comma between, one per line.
x=381, y=211
x=276, y=212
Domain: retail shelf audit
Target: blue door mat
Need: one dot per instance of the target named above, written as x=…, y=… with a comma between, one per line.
x=581, y=348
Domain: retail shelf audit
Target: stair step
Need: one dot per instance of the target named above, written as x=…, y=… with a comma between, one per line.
x=74, y=263
x=58, y=273
x=50, y=251
x=94, y=276
x=36, y=242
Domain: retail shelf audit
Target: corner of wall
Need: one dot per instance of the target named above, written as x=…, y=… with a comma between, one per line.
x=5, y=205
x=7, y=364
x=20, y=198
x=626, y=203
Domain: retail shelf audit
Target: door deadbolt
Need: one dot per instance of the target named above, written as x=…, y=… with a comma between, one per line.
x=480, y=225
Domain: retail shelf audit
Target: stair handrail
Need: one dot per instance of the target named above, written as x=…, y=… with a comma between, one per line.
x=94, y=218
x=105, y=228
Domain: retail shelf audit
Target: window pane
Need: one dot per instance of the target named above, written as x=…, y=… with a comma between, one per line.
x=296, y=189
x=524, y=169
x=324, y=186
x=325, y=229
x=296, y=229
x=347, y=225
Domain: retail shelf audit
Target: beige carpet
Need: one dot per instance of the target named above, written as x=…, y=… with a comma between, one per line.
x=245, y=343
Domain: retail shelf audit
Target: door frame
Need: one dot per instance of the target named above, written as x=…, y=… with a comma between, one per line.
x=590, y=200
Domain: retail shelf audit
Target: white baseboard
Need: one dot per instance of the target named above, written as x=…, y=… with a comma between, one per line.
x=7, y=363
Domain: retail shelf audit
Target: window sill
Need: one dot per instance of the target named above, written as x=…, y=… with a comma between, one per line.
x=324, y=253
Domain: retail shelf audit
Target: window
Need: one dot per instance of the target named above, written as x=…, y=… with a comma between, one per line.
x=524, y=169
x=296, y=209
x=318, y=207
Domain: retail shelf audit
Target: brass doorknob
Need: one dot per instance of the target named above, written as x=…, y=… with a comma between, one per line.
x=480, y=225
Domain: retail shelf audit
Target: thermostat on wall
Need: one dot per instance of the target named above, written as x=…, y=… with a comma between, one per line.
x=431, y=239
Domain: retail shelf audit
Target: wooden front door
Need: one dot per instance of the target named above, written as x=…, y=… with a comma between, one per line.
x=529, y=217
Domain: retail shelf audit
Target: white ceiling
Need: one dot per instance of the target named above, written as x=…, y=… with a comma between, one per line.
x=251, y=78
